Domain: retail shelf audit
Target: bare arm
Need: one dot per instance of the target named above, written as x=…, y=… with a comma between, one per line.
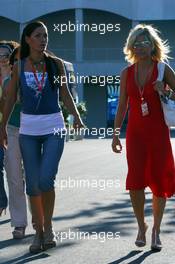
x=123, y=102
x=121, y=112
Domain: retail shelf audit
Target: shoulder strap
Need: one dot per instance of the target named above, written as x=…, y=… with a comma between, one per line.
x=161, y=70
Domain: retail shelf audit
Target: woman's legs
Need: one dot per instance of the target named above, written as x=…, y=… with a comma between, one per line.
x=158, y=210
x=31, y=147
x=138, y=201
x=52, y=150
x=44, y=153
x=37, y=212
x=48, y=202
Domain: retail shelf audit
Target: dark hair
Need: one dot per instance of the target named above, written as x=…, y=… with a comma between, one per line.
x=28, y=30
x=52, y=69
x=25, y=51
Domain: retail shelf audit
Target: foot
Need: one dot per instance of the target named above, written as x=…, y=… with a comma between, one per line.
x=141, y=238
x=156, y=244
x=37, y=244
x=50, y=239
x=19, y=232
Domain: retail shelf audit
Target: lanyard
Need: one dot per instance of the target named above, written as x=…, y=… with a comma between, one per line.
x=39, y=83
x=141, y=91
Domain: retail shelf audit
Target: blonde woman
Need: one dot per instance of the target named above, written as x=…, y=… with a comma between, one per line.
x=149, y=153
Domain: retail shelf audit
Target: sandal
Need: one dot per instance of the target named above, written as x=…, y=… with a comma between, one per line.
x=37, y=245
x=19, y=232
x=50, y=239
x=156, y=244
x=141, y=242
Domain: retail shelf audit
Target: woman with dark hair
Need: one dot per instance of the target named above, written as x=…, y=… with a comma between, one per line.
x=41, y=148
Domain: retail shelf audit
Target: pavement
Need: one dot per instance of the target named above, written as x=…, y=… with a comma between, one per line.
x=93, y=217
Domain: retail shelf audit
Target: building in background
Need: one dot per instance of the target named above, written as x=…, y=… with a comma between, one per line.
x=93, y=53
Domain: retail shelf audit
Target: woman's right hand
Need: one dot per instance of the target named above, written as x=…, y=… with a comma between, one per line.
x=3, y=137
x=116, y=145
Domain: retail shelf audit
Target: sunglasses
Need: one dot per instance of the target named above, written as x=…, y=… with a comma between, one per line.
x=142, y=44
x=4, y=56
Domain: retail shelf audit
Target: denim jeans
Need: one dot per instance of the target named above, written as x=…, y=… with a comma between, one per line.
x=41, y=156
x=3, y=196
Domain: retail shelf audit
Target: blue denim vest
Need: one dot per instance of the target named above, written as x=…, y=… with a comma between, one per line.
x=45, y=103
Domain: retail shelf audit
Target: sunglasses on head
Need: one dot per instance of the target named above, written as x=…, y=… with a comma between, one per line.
x=4, y=56
x=144, y=44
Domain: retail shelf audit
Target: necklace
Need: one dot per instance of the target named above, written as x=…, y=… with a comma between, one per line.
x=141, y=85
x=36, y=63
x=141, y=88
x=40, y=84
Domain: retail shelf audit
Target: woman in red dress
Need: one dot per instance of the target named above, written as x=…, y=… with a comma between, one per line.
x=149, y=153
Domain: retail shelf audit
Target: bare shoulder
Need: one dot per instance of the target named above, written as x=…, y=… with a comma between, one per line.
x=124, y=73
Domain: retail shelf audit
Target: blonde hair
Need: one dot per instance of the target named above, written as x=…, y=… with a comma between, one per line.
x=160, y=48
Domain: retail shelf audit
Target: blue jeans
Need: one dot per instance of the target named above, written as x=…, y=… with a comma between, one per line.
x=41, y=156
x=3, y=196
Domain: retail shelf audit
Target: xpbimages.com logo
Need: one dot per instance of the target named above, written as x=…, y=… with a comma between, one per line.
x=83, y=235
x=101, y=80
x=93, y=184
x=100, y=133
x=102, y=28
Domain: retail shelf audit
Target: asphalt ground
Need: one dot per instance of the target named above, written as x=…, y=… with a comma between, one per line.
x=93, y=217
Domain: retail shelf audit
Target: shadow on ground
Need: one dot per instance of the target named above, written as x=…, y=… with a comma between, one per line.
x=132, y=254
x=118, y=218
x=120, y=215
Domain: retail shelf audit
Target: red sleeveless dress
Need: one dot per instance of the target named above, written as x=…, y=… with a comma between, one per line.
x=149, y=152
